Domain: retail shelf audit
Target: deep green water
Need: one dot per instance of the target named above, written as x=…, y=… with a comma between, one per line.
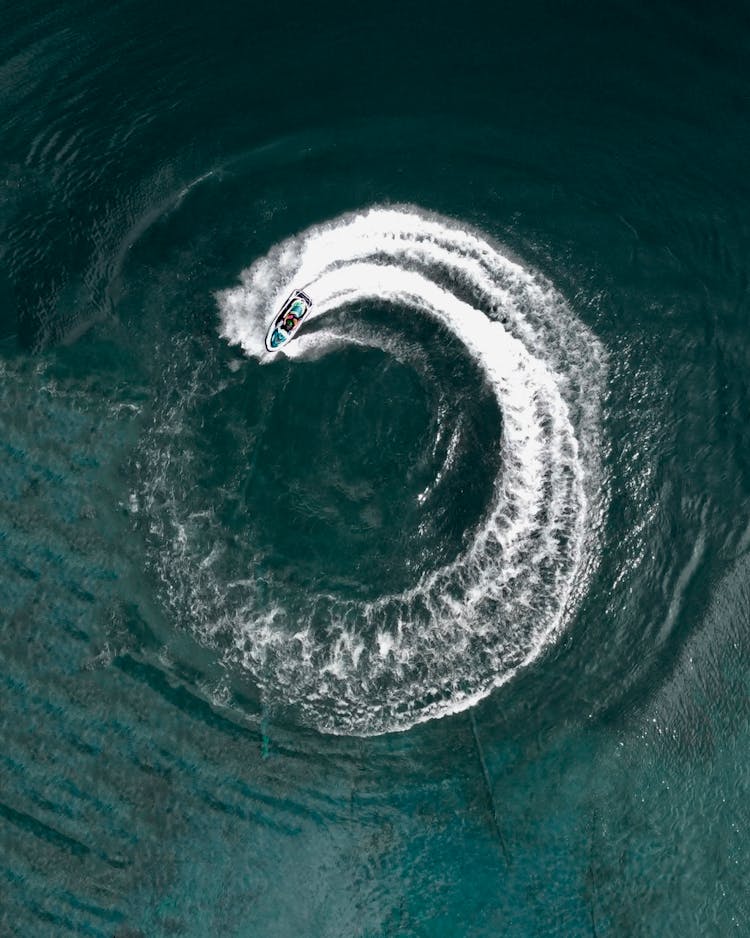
x=165, y=761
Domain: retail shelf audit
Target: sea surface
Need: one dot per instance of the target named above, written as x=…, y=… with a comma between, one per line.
x=437, y=625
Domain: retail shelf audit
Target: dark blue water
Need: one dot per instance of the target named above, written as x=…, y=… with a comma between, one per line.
x=438, y=625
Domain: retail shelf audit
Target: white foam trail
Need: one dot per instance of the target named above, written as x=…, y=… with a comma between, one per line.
x=468, y=626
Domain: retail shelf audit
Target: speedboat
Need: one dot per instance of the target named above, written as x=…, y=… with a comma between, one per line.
x=287, y=322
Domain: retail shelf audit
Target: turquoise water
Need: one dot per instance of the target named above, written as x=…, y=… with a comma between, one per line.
x=437, y=625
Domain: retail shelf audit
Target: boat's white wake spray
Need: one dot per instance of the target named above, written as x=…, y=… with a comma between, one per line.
x=373, y=666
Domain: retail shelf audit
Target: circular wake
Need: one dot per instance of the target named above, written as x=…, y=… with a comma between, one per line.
x=354, y=665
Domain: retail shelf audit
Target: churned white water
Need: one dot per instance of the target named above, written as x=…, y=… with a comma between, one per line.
x=366, y=667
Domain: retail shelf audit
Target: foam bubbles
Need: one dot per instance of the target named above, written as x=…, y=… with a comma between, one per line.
x=363, y=667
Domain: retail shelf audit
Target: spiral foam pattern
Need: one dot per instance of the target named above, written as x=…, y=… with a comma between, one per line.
x=363, y=667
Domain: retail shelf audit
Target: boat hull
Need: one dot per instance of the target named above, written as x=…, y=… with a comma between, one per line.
x=288, y=321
